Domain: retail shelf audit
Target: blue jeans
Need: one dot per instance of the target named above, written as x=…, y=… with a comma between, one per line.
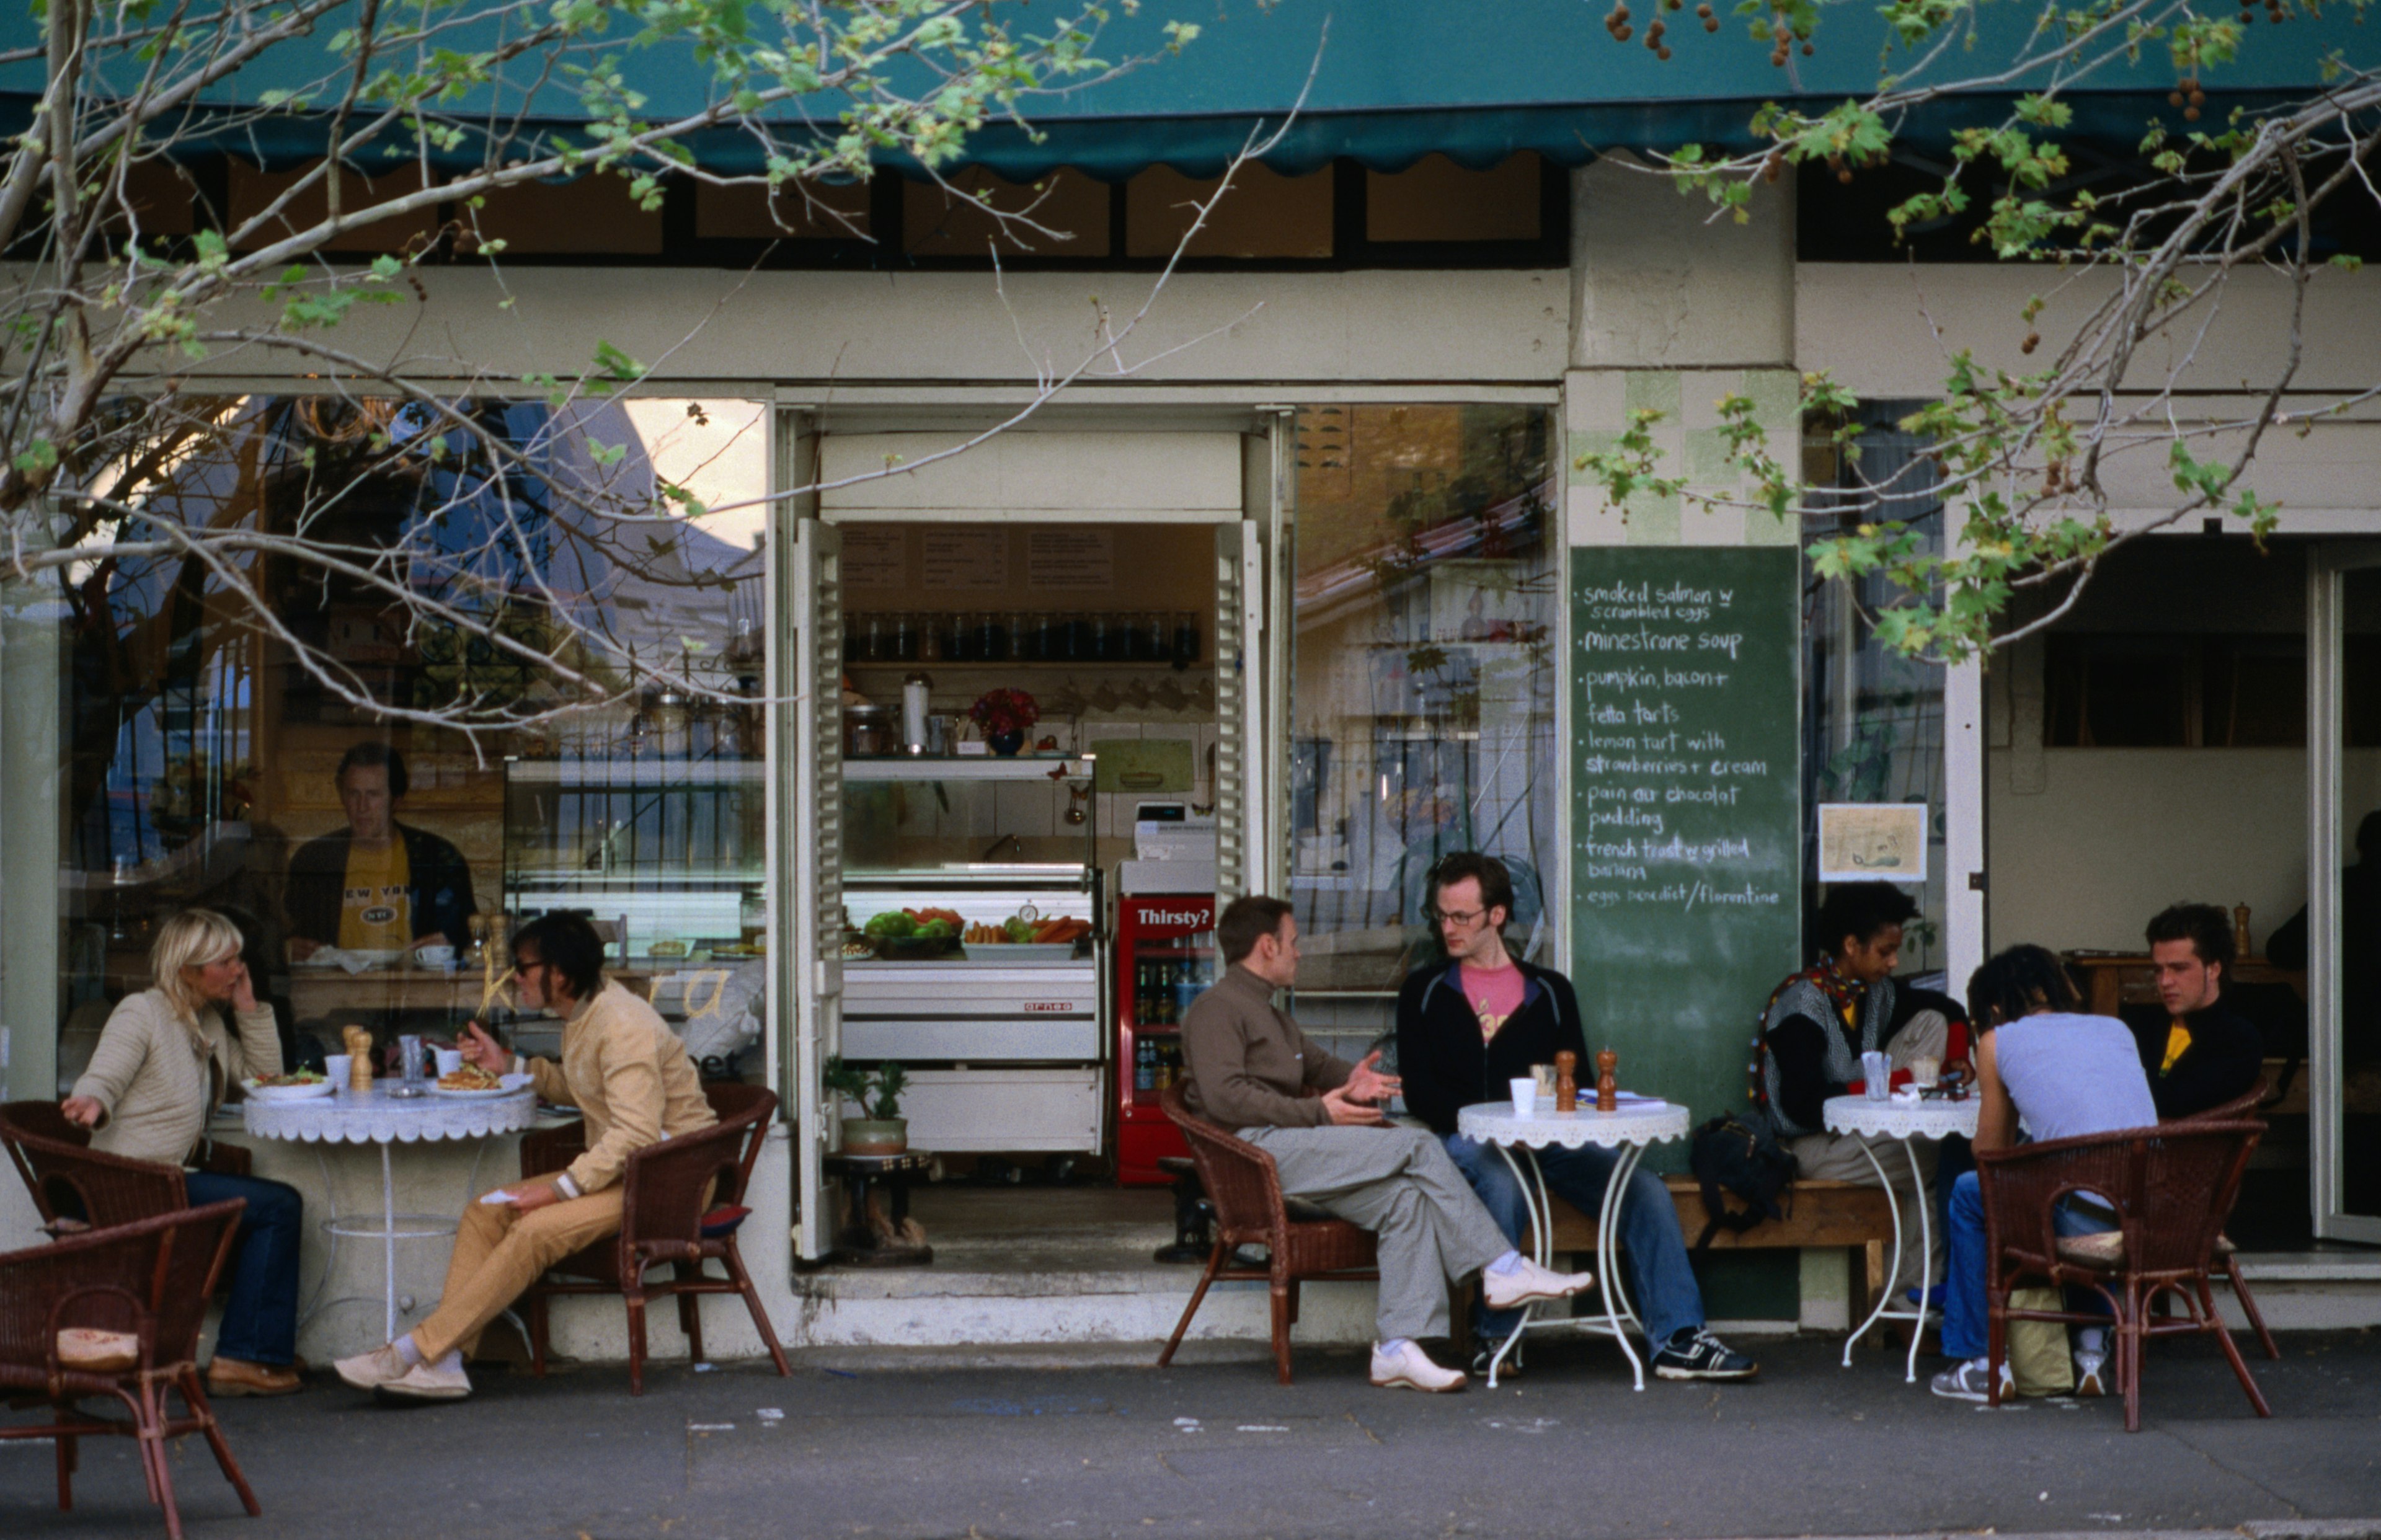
x=1965, y=1321
x=1659, y=1279
x=259, y=1320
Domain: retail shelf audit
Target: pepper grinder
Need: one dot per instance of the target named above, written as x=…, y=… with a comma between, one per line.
x=1607, y=1081
x=1566, y=1081
x=2241, y=930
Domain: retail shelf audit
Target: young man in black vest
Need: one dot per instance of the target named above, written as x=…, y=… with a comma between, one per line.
x=1470, y=1025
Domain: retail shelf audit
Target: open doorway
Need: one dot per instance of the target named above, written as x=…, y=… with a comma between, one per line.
x=2152, y=748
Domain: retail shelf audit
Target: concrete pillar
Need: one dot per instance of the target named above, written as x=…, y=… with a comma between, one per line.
x=1661, y=279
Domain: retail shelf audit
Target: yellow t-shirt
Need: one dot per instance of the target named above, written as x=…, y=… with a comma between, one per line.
x=376, y=899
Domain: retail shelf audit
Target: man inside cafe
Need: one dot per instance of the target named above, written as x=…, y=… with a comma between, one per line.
x=377, y=885
x=1254, y=1074
x=2197, y=1051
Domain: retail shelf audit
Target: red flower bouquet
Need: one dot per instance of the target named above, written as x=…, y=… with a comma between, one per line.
x=1004, y=711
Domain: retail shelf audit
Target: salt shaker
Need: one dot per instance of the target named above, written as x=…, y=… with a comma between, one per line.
x=1566, y=1081
x=1607, y=1081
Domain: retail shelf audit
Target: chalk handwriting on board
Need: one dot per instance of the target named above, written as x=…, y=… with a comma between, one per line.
x=1686, y=793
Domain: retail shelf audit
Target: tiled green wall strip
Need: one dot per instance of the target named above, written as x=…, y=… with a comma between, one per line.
x=1690, y=439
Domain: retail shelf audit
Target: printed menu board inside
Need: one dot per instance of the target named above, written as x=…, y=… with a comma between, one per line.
x=1686, y=808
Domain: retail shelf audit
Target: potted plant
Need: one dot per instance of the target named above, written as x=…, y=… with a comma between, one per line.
x=880, y=1130
x=1004, y=715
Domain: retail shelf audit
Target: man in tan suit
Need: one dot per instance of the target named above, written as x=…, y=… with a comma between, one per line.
x=631, y=1081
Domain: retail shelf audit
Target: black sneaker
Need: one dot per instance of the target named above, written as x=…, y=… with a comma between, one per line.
x=1694, y=1353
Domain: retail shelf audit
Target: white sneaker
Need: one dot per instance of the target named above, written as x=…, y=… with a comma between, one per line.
x=2090, y=1367
x=426, y=1382
x=1409, y=1368
x=1529, y=1283
x=370, y=1370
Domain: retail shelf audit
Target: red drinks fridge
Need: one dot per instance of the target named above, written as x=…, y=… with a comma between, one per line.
x=1165, y=955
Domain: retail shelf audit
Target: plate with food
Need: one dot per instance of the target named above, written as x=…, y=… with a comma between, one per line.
x=298, y=1086
x=914, y=934
x=473, y=1084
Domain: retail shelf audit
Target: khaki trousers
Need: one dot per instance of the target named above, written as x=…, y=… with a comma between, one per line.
x=1398, y=1183
x=499, y=1251
x=1839, y=1157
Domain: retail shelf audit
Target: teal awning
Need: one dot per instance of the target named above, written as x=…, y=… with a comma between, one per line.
x=1392, y=81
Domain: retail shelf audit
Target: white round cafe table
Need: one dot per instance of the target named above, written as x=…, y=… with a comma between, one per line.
x=378, y=1117
x=1906, y=1119
x=1631, y=1127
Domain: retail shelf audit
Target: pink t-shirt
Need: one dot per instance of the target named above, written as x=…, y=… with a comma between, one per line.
x=1495, y=994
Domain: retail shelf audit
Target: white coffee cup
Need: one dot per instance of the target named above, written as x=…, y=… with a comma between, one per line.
x=338, y=1067
x=449, y=1060
x=1525, y=1095
x=440, y=957
x=1926, y=1071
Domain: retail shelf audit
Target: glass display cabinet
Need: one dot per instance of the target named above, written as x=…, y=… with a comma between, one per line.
x=665, y=856
x=1003, y=1024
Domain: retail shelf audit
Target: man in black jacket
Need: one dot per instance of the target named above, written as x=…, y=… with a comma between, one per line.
x=1470, y=1025
x=2198, y=1054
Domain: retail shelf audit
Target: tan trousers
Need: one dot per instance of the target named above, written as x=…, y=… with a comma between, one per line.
x=1839, y=1157
x=499, y=1251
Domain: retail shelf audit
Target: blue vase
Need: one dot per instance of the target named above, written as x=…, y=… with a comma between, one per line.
x=1005, y=744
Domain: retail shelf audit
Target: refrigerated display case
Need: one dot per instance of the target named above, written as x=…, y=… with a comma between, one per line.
x=663, y=854
x=1164, y=951
x=1005, y=1042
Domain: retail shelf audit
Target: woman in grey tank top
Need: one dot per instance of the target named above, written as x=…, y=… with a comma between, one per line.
x=2060, y=1074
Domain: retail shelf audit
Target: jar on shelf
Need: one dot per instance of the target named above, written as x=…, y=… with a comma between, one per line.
x=1022, y=641
x=990, y=630
x=1186, y=638
x=949, y=633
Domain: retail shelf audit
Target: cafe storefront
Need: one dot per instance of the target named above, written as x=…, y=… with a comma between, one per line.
x=1312, y=597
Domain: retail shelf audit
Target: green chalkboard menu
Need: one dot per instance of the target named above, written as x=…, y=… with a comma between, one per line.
x=1685, y=808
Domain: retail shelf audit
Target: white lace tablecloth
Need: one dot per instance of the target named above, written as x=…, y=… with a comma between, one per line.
x=1900, y=1118
x=378, y=1117
x=1633, y=1123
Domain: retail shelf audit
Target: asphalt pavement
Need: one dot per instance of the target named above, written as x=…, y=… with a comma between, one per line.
x=1064, y=1446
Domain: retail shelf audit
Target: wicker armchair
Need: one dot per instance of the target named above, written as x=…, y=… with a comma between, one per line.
x=2172, y=1188
x=2239, y=1109
x=1243, y=1184
x=115, y=1312
x=55, y=1157
x=666, y=1190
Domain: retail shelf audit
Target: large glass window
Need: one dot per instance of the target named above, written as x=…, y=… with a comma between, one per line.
x=1422, y=710
x=463, y=670
x=1872, y=719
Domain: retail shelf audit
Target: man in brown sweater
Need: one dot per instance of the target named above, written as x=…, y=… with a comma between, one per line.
x=1253, y=1072
x=631, y=1081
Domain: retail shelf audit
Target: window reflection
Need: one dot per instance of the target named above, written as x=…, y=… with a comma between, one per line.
x=524, y=680
x=1422, y=708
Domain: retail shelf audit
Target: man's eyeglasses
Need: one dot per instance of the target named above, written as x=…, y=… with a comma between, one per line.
x=1465, y=917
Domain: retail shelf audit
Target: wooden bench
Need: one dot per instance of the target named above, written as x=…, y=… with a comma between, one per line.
x=1818, y=1214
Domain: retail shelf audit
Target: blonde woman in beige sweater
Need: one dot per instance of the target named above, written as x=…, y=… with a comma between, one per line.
x=161, y=1068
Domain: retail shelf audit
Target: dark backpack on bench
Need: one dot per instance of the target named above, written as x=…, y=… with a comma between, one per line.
x=1739, y=1155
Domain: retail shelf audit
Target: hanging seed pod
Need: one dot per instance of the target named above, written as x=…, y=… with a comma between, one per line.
x=2198, y=98
x=1809, y=49
x=2032, y=340
x=2190, y=115
x=1624, y=32
x=1711, y=24
x=2174, y=98
x=1663, y=52
x=1779, y=59
x=1704, y=10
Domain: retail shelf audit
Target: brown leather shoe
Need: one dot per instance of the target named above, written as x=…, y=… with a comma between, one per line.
x=234, y=1376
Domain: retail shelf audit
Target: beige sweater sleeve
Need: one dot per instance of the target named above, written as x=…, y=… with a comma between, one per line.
x=255, y=1047
x=632, y=1095
x=124, y=1047
x=552, y=1086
